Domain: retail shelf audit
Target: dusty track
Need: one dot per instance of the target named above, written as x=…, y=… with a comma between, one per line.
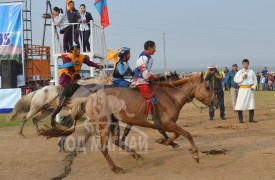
x=247, y=151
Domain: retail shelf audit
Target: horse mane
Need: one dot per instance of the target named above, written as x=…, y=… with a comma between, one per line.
x=178, y=82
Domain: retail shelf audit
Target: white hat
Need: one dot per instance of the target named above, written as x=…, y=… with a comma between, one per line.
x=211, y=66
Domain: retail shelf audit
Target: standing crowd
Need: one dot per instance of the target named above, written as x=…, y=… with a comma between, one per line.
x=79, y=29
x=241, y=83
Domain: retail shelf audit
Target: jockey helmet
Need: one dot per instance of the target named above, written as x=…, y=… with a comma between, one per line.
x=123, y=51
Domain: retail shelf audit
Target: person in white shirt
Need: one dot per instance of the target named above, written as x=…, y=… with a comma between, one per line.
x=60, y=21
x=247, y=80
x=85, y=18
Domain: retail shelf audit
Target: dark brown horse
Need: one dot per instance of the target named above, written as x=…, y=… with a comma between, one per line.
x=110, y=105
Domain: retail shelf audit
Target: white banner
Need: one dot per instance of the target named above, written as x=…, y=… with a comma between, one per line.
x=8, y=99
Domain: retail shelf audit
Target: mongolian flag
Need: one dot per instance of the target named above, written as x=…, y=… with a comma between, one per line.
x=101, y=6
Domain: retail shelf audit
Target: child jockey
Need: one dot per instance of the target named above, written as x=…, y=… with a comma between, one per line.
x=122, y=68
x=143, y=75
x=72, y=63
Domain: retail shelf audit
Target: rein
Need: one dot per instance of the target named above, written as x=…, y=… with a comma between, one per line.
x=191, y=99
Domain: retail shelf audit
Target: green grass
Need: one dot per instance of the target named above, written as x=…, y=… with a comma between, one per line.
x=4, y=122
x=261, y=97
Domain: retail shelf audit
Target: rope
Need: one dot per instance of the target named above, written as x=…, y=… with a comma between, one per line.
x=190, y=99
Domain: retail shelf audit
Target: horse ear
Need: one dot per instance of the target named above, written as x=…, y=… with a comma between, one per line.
x=202, y=79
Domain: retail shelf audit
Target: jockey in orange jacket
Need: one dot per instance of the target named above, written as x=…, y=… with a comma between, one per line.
x=72, y=63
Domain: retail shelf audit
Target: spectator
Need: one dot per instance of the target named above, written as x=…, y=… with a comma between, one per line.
x=214, y=76
x=258, y=81
x=263, y=83
x=226, y=71
x=265, y=71
x=85, y=18
x=273, y=82
x=231, y=85
x=59, y=19
x=73, y=17
x=247, y=80
x=269, y=83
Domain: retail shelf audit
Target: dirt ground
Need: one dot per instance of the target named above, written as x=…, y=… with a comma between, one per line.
x=228, y=150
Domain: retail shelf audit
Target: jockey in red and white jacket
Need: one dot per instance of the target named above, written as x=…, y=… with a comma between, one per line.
x=143, y=75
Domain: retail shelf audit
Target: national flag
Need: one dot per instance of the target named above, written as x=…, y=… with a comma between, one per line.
x=101, y=6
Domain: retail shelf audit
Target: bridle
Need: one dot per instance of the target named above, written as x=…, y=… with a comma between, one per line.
x=191, y=99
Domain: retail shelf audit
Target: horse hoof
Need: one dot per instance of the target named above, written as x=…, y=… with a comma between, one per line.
x=21, y=134
x=176, y=146
x=117, y=170
x=196, y=157
x=138, y=157
x=160, y=141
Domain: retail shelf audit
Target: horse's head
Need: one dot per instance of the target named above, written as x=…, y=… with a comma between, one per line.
x=205, y=94
x=174, y=76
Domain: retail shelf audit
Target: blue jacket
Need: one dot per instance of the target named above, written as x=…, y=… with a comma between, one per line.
x=122, y=68
x=229, y=80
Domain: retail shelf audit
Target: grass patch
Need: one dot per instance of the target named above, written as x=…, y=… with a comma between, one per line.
x=4, y=122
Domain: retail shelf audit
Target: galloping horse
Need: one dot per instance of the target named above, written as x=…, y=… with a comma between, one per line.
x=111, y=105
x=41, y=103
x=74, y=91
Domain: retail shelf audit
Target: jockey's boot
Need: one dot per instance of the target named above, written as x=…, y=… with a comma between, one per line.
x=240, y=115
x=150, y=118
x=251, y=116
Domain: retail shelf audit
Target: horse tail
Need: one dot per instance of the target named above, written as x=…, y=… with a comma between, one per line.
x=23, y=105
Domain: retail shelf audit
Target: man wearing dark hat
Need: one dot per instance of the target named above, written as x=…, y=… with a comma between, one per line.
x=214, y=76
x=231, y=85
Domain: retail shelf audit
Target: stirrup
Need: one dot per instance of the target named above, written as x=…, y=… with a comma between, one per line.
x=150, y=119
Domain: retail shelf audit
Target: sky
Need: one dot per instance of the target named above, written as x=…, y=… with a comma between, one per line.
x=198, y=32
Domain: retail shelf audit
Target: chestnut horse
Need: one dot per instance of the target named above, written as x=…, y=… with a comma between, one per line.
x=111, y=105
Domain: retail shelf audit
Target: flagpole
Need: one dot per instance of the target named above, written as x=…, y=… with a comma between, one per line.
x=164, y=53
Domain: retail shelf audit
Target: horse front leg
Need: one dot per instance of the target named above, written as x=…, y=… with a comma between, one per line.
x=115, y=131
x=166, y=140
x=173, y=127
x=104, y=137
x=126, y=132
